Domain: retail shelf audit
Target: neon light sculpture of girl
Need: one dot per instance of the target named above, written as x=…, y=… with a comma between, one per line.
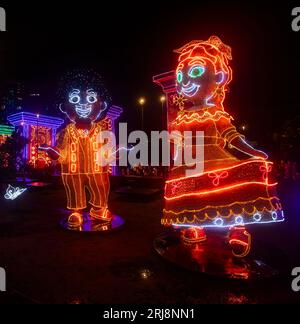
x=230, y=193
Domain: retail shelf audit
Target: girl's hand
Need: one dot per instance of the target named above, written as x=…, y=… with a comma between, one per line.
x=260, y=154
x=240, y=144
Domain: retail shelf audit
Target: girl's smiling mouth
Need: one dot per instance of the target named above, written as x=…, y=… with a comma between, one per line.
x=190, y=90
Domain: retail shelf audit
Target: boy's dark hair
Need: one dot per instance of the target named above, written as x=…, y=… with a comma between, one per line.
x=82, y=79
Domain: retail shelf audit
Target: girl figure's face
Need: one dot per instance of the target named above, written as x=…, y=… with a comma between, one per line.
x=197, y=80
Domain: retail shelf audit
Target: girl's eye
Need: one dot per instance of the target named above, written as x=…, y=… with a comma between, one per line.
x=91, y=99
x=196, y=71
x=74, y=99
x=179, y=76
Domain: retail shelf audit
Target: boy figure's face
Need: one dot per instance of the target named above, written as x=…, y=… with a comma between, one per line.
x=84, y=106
x=83, y=102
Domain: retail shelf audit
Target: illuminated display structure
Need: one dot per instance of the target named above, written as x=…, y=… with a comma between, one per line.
x=40, y=130
x=85, y=101
x=230, y=193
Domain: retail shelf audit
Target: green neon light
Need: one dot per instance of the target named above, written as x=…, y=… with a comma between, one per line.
x=6, y=130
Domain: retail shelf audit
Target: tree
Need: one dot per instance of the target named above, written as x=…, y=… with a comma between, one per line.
x=11, y=160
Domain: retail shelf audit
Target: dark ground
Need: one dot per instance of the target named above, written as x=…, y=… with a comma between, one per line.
x=46, y=264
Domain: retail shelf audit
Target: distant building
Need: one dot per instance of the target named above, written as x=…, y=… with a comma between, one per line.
x=12, y=100
x=39, y=129
x=16, y=98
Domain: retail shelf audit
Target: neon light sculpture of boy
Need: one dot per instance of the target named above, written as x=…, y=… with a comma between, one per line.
x=231, y=193
x=86, y=103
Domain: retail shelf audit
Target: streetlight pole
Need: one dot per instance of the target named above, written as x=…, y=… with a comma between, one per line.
x=37, y=140
x=142, y=117
x=142, y=102
x=162, y=100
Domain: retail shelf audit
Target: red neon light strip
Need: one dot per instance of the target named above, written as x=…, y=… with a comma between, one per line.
x=221, y=189
x=218, y=170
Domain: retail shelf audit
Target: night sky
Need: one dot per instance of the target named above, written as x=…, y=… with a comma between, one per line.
x=129, y=43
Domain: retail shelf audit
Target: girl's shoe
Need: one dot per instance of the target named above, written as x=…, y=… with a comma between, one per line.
x=193, y=235
x=240, y=241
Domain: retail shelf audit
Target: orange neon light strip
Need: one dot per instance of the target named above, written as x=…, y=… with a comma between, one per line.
x=73, y=168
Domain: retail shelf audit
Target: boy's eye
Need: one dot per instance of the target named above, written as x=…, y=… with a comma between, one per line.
x=74, y=99
x=91, y=99
x=196, y=71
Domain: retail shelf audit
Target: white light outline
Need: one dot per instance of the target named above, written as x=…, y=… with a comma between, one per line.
x=74, y=93
x=227, y=226
x=189, y=90
x=91, y=93
x=276, y=216
x=219, y=219
x=48, y=149
x=239, y=220
x=257, y=219
x=13, y=192
x=83, y=110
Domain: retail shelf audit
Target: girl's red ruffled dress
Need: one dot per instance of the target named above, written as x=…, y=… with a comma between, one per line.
x=230, y=191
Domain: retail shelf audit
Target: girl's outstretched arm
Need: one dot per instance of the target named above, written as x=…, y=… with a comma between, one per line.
x=234, y=139
x=240, y=144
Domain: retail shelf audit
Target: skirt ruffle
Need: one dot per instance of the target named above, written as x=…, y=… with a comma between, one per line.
x=240, y=194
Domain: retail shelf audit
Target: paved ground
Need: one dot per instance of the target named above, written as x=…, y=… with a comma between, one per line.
x=46, y=264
